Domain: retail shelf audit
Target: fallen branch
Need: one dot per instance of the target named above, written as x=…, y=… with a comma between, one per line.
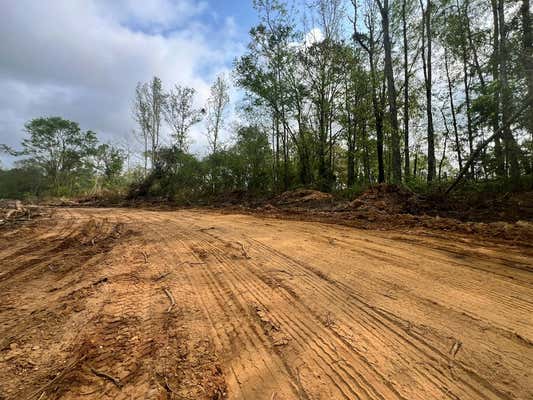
x=110, y=378
x=162, y=276
x=145, y=256
x=167, y=386
x=482, y=146
x=99, y=281
x=163, y=381
x=10, y=213
x=191, y=263
x=244, y=253
x=171, y=298
x=59, y=376
x=455, y=348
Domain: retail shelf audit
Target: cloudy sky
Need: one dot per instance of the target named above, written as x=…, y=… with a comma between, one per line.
x=81, y=59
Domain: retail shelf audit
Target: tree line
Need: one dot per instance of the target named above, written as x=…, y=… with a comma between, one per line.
x=59, y=159
x=393, y=91
x=352, y=93
x=336, y=95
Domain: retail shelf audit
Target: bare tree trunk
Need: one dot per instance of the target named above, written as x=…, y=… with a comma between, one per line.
x=391, y=93
x=351, y=139
x=415, y=167
x=452, y=108
x=406, y=156
x=277, y=148
x=426, y=64
x=366, y=156
x=527, y=62
x=511, y=147
x=145, y=154
x=495, y=120
x=475, y=154
x=447, y=130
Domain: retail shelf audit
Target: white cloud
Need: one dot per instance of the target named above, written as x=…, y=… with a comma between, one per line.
x=151, y=15
x=81, y=59
x=315, y=35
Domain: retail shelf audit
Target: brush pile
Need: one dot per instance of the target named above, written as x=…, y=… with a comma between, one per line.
x=13, y=211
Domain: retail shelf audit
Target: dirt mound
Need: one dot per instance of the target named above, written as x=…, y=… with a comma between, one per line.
x=390, y=199
x=486, y=207
x=303, y=196
x=234, y=197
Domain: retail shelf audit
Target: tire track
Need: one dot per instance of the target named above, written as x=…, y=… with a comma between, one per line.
x=324, y=359
x=216, y=303
x=398, y=331
x=382, y=321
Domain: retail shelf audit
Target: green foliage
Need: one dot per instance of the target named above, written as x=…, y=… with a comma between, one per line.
x=21, y=182
x=181, y=177
x=177, y=176
x=60, y=150
x=251, y=160
x=59, y=159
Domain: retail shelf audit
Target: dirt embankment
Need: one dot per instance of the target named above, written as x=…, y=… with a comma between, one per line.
x=198, y=305
x=492, y=216
x=388, y=207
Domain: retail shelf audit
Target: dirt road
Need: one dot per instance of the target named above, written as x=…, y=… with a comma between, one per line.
x=133, y=304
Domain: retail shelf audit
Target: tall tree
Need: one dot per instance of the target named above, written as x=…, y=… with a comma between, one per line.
x=452, y=110
x=384, y=8
x=155, y=99
x=500, y=163
x=217, y=105
x=428, y=80
x=406, y=74
x=527, y=66
x=462, y=16
x=369, y=43
x=59, y=148
x=141, y=115
x=216, y=109
x=148, y=110
x=264, y=71
x=180, y=114
x=511, y=147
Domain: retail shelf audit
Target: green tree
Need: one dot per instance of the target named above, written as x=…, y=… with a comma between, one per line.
x=59, y=148
x=108, y=164
x=254, y=158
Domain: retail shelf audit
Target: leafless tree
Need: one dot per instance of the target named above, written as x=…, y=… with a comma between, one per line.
x=180, y=113
x=141, y=115
x=217, y=105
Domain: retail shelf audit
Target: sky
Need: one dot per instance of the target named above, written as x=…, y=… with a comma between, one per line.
x=81, y=59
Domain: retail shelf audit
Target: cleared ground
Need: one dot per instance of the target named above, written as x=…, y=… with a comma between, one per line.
x=134, y=304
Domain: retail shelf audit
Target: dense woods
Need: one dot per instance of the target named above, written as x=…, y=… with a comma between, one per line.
x=425, y=81
x=334, y=95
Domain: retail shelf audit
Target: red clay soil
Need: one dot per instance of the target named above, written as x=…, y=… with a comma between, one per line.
x=194, y=304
